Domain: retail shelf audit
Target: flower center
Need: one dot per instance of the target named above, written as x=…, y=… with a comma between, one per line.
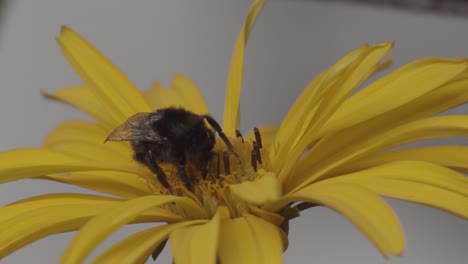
x=224, y=169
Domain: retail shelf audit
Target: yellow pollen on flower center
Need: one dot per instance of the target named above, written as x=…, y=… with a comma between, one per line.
x=224, y=170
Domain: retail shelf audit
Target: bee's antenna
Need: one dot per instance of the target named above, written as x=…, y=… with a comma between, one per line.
x=221, y=134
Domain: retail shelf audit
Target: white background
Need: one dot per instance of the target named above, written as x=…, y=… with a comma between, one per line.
x=150, y=40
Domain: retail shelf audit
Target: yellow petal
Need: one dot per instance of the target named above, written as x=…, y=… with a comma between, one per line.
x=183, y=92
x=18, y=173
x=152, y=96
x=416, y=171
x=267, y=133
x=113, y=89
x=50, y=200
x=234, y=82
x=324, y=94
x=87, y=132
x=416, y=181
x=349, y=80
x=335, y=151
x=198, y=243
x=310, y=96
x=442, y=98
x=105, y=223
x=159, y=97
x=92, y=152
x=85, y=140
x=32, y=156
x=28, y=163
x=420, y=193
x=362, y=207
x=116, y=183
x=421, y=76
x=250, y=239
x=261, y=191
x=82, y=98
x=189, y=93
x=138, y=247
x=34, y=225
x=454, y=157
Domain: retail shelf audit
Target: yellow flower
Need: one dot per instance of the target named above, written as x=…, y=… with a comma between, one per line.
x=334, y=148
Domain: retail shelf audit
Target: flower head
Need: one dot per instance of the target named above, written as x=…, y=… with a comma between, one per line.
x=334, y=149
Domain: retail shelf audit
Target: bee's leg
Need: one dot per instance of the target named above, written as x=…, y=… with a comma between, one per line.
x=156, y=169
x=181, y=173
x=221, y=134
x=206, y=168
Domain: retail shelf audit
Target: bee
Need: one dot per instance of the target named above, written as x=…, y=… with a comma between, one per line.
x=171, y=135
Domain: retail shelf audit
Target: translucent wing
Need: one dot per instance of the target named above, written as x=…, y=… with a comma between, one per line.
x=138, y=127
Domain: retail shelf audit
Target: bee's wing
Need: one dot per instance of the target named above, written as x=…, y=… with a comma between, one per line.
x=138, y=127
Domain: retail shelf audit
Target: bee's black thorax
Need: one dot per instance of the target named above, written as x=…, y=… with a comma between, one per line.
x=184, y=138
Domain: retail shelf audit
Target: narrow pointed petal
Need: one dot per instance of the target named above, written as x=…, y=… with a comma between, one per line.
x=113, y=89
x=418, y=182
x=85, y=132
x=82, y=98
x=49, y=200
x=325, y=94
x=442, y=98
x=30, y=163
x=93, y=152
x=85, y=141
x=25, y=228
x=190, y=94
x=116, y=183
x=454, y=157
x=349, y=81
x=234, y=82
x=101, y=226
x=417, y=171
x=34, y=225
x=362, y=207
x=336, y=151
x=159, y=97
x=138, y=247
x=422, y=76
x=250, y=240
x=415, y=181
x=183, y=92
x=198, y=243
x=258, y=192
x=416, y=192
x=32, y=156
x=310, y=96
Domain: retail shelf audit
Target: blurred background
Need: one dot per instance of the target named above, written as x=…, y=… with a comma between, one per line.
x=292, y=42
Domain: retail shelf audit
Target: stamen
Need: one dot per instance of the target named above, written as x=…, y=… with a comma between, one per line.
x=239, y=135
x=227, y=166
x=258, y=138
x=256, y=148
x=221, y=134
x=253, y=159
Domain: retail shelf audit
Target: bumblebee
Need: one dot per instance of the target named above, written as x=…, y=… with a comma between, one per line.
x=171, y=135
